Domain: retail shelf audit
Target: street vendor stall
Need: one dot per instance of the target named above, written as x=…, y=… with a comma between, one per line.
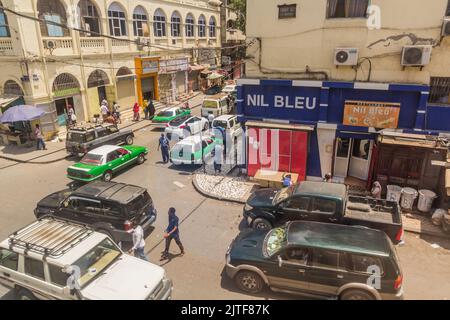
x=17, y=124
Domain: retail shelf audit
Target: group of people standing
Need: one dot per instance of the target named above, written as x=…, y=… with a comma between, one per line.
x=108, y=115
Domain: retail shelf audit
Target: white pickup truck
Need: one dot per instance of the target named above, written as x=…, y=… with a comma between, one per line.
x=58, y=260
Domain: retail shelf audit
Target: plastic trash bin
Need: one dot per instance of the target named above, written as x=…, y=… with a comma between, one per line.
x=394, y=193
x=409, y=195
x=426, y=198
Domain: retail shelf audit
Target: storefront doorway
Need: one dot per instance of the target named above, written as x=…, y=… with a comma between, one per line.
x=61, y=109
x=352, y=158
x=148, y=88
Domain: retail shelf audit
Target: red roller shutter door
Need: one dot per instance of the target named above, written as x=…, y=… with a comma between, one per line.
x=290, y=155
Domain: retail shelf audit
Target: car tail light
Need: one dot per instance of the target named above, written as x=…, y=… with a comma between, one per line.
x=192, y=157
x=167, y=125
x=127, y=225
x=183, y=127
x=398, y=282
x=399, y=235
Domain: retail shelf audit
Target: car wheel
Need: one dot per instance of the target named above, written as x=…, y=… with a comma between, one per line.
x=356, y=295
x=129, y=140
x=140, y=159
x=23, y=294
x=107, y=176
x=261, y=224
x=249, y=281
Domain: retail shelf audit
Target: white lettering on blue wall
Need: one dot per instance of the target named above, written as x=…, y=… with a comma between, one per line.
x=256, y=100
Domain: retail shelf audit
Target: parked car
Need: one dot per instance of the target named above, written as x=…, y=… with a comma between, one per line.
x=38, y=260
x=230, y=90
x=216, y=104
x=193, y=149
x=107, y=207
x=184, y=127
x=213, y=90
x=232, y=127
x=105, y=161
x=169, y=114
x=82, y=139
x=317, y=259
x=321, y=201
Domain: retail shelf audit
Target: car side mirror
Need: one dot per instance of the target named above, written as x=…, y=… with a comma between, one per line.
x=280, y=261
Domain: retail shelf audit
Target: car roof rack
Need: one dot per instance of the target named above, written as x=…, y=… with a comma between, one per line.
x=87, y=126
x=49, y=236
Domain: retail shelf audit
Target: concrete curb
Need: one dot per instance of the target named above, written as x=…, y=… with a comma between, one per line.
x=441, y=235
x=212, y=196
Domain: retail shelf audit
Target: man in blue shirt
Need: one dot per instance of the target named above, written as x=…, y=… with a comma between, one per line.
x=164, y=145
x=172, y=232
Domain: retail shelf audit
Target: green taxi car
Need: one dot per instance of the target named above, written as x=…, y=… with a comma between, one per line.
x=105, y=161
x=167, y=115
x=191, y=149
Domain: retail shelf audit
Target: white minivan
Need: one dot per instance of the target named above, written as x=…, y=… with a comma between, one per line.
x=217, y=105
x=59, y=260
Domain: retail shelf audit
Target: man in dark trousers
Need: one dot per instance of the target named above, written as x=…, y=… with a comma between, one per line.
x=172, y=232
x=164, y=145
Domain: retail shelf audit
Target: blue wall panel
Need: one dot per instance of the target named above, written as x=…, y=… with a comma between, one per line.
x=438, y=118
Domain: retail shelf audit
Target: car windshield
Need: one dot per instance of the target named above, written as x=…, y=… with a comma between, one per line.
x=178, y=122
x=76, y=137
x=92, y=159
x=138, y=203
x=282, y=195
x=165, y=114
x=220, y=124
x=274, y=241
x=93, y=263
x=210, y=104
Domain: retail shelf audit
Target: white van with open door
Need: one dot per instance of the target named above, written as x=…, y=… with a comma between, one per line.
x=217, y=105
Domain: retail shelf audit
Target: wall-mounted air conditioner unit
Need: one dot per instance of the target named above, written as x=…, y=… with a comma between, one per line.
x=346, y=56
x=416, y=56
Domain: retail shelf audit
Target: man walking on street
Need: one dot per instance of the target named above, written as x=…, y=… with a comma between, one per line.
x=164, y=145
x=39, y=138
x=138, y=248
x=172, y=232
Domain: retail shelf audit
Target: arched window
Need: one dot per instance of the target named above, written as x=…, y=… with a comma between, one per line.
x=159, y=23
x=4, y=28
x=52, y=11
x=65, y=81
x=89, y=18
x=202, y=26
x=212, y=27
x=190, y=22
x=175, y=22
x=98, y=78
x=117, y=20
x=123, y=71
x=140, y=22
x=12, y=88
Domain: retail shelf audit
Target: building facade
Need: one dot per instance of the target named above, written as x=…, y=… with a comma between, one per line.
x=348, y=88
x=94, y=57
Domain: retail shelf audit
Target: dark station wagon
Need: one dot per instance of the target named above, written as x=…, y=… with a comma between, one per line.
x=82, y=139
x=107, y=207
x=318, y=260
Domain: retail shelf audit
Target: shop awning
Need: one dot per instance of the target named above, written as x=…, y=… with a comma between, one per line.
x=198, y=67
x=275, y=125
x=410, y=142
x=7, y=100
x=215, y=76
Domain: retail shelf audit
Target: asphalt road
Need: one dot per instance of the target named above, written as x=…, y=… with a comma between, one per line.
x=207, y=228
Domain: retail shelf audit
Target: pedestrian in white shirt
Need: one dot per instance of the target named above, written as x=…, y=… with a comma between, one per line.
x=138, y=248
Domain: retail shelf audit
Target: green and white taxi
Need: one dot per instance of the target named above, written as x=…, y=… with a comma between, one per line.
x=105, y=161
x=191, y=149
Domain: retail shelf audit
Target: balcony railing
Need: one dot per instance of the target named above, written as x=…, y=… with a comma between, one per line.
x=6, y=47
x=93, y=45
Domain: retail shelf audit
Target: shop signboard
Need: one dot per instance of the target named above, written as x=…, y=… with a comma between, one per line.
x=371, y=114
x=150, y=66
x=207, y=56
x=281, y=102
x=173, y=65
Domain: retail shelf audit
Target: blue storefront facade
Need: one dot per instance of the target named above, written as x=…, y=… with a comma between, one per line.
x=326, y=110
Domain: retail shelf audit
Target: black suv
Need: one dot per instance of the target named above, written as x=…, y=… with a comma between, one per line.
x=317, y=259
x=82, y=139
x=108, y=207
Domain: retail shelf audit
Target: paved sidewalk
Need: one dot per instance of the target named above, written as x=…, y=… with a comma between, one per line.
x=235, y=189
